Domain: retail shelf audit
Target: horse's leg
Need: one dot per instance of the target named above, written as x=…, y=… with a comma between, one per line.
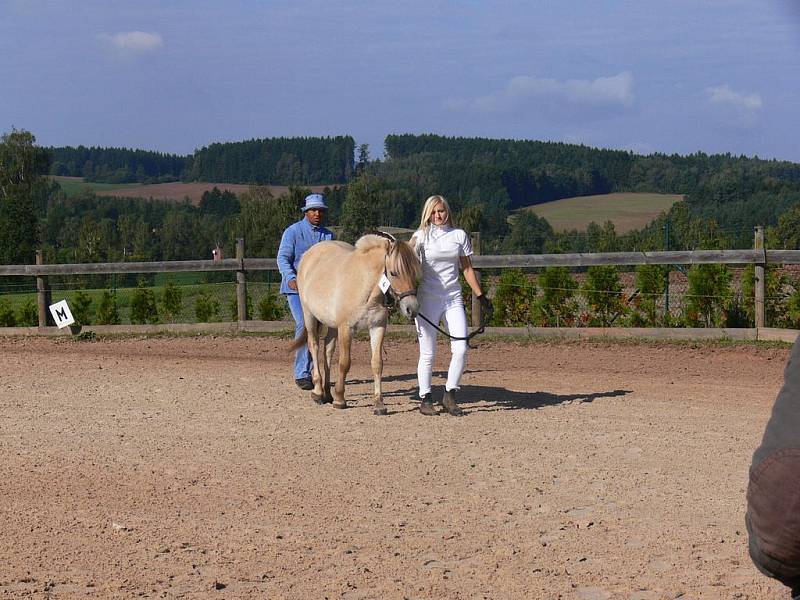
x=345, y=337
x=376, y=342
x=330, y=346
x=312, y=329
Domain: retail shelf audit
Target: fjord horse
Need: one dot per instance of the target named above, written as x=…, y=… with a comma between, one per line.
x=340, y=288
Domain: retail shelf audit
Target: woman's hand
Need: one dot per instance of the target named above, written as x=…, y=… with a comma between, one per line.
x=487, y=309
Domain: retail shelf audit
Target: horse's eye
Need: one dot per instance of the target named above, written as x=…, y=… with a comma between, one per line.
x=393, y=273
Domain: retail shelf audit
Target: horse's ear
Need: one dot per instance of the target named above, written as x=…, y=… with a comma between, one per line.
x=388, y=236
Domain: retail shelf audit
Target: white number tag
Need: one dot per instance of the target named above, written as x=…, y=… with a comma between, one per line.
x=384, y=283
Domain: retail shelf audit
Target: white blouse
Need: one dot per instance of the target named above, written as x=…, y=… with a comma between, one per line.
x=441, y=249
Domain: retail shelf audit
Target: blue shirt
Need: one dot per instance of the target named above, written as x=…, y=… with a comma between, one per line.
x=297, y=238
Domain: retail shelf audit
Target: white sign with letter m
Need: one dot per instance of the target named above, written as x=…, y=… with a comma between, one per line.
x=61, y=314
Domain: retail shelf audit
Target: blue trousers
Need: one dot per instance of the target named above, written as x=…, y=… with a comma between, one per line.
x=302, y=357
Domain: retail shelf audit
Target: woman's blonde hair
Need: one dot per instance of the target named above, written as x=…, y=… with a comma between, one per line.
x=427, y=211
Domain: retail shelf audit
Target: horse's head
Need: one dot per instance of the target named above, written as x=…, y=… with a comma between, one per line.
x=403, y=269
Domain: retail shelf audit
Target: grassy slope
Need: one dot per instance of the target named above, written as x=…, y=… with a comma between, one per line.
x=75, y=185
x=626, y=210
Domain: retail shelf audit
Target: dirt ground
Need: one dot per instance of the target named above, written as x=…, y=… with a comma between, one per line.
x=194, y=468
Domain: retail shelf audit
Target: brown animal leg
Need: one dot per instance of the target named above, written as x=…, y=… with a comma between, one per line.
x=345, y=338
x=376, y=342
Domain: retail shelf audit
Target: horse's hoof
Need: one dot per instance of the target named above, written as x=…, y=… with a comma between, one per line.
x=339, y=404
x=318, y=399
x=380, y=411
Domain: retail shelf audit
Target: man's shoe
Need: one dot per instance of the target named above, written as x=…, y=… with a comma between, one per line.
x=449, y=403
x=426, y=406
x=304, y=383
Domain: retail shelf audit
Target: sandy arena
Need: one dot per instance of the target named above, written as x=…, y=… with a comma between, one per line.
x=194, y=468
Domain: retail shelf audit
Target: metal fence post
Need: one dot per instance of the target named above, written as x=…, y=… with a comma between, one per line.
x=42, y=293
x=760, y=281
x=241, y=283
x=476, y=306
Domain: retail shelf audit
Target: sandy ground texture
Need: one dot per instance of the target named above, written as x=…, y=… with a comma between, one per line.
x=195, y=468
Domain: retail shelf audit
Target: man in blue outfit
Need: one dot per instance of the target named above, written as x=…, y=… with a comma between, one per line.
x=298, y=238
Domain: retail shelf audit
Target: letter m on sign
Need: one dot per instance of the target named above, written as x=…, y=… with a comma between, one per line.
x=61, y=314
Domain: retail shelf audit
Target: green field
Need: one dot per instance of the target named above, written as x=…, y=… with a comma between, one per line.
x=73, y=186
x=627, y=211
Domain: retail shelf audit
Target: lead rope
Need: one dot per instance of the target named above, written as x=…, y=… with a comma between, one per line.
x=467, y=338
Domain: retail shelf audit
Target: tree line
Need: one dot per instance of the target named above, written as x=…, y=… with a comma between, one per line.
x=277, y=161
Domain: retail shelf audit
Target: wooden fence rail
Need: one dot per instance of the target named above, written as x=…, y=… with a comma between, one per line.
x=242, y=265
x=485, y=261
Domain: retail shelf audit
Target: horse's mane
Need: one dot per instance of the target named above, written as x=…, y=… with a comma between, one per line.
x=401, y=258
x=369, y=241
x=404, y=259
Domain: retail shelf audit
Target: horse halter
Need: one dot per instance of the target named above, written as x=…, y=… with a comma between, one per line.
x=397, y=296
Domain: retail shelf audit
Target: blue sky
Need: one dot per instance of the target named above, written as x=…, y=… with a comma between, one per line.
x=678, y=76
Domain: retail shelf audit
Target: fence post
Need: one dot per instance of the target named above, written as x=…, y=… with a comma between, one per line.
x=760, y=281
x=42, y=293
x=241, y=283
x=476, y=306
x=666, y=283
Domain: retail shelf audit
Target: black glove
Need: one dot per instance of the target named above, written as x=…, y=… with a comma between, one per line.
x=487, y=310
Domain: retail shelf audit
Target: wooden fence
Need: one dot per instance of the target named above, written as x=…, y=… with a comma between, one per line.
x=242, y=265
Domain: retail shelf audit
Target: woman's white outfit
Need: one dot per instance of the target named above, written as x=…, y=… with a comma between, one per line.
x=440, y=298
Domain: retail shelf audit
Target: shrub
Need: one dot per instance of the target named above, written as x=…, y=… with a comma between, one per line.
x=7, y=318
x=108, y=311
x=270, y=308
x=514, y=299
x=792, y=317
x=708, y=295
x=603, y=291
x=28, y=315
x=143, y=305
x=774, y=298
x=234, y=308
x=734, y=314
x=82, y=310
x=557, y=305
x=171, y=301
x=206, y=307
x=651, y=283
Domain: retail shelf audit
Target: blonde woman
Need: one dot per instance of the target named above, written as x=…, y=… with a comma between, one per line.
x=444, y=251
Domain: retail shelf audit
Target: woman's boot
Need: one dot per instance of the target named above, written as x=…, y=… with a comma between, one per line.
x=449, y=403
x=426, y=406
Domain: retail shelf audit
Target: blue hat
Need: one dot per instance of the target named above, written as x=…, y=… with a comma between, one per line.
x=315, y=201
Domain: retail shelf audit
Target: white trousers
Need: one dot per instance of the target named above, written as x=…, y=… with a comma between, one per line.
x=455, y=319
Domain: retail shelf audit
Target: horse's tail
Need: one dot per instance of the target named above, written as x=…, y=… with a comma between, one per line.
x=300, y=341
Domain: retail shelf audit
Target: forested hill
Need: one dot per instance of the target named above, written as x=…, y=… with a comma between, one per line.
x=282, y=161
x=116, y=165
x=531, y=172
x=279, y=161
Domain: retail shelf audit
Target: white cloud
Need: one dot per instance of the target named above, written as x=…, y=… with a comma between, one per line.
x=134, y=41
x=724, y=95
x=602, y=93
x=732, y=109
